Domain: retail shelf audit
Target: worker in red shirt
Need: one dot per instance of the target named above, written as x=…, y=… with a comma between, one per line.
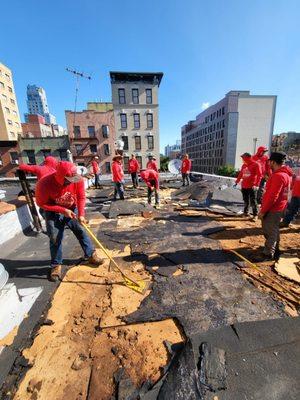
x=47, y=167
x=151, y=164
x=250, y=176
x=118, y=177
x=186, y=167
x=263, y=160
x=96, y=171
x=151, y=178
x=294, y=204
x=274, y=202
x=62, y=196
x=133, y=169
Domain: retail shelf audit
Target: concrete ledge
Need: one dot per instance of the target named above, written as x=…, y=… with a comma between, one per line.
x=14, y=222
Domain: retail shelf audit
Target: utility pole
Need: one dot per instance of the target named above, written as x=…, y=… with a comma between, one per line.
x=77, y=75
x=254, y=145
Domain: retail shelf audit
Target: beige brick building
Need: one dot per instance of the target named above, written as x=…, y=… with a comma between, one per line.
x=91, y=133
x=10, y=124
x=135, y=101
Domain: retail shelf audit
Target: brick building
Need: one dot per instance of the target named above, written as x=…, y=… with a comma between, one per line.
x=36, y=126
x=31, y=150
x=91, y=133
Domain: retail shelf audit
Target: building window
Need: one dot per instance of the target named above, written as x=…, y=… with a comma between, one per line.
x=63, y=154
x=125, y=140
x=12, y=101
x=105, y=131
x=138, y=143
x=7, y=110
x=14, y=157
x=31, y=156
x=136, y=120
x=149, y=96
x=107, y=168
x=2, y=85
x=17, y=124
x=122, y=99
x=78, y=148
x=149, y=120
x=9, y=89
x=9, y=122
x=106, y=149
x=77, y=134
x=14, y=112
x=139, y=160
x=135, y=96
x=4, y=97
x=126, y=162
x=46, y=152
x=150, y=142
x=91, y=131
x=123, y=118
x=223, y=110
x=7, y=76
x=93, y=148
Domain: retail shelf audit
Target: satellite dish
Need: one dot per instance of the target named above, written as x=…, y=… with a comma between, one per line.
x=174, y=166
x=81, y=170
x=119, y=144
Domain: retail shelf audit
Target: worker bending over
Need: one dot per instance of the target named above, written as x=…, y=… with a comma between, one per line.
x=151, y=178
x=151, y=164
x=274, y=202
x=118, y=176
x=133, y=169
x=47, y=167
x=294, y=204
x=265, y=171
x=250, y=176
x=186, y=167
x=62, y=196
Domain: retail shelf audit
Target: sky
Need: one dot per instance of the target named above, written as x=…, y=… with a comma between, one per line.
x=204, y=49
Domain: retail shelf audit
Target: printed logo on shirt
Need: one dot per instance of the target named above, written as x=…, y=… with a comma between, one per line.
x=66, y=200
x=246, y=173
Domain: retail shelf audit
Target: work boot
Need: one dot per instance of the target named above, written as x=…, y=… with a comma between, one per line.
x=262, y=258
x=94, y=259
x=55, y=273
x=284, y=224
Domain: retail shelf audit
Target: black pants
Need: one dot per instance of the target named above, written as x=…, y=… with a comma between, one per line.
x=260, y=191
x=97, y=184
x=185, y=177
x=134, y=178
x=249, y=197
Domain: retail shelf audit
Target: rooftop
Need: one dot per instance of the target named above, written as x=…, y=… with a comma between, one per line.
x=151, y=77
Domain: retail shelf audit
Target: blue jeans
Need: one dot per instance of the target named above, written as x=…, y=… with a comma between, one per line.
x=119, y=189
x=292, y=210
x=55, y=224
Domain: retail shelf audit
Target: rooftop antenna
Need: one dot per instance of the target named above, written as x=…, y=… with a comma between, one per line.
x=77, y=75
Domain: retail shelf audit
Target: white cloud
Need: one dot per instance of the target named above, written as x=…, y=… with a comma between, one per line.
x=204, y=106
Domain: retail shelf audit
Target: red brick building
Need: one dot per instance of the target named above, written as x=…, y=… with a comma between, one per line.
x=92, y=132
x=9, y=158
x=36, y=127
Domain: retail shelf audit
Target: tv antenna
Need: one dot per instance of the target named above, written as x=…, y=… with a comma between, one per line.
x=77, y=75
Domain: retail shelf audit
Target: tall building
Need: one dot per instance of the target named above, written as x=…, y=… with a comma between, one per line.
x=37, y=104
x=92, y=132
x=135, y=101
x=173, y=151
x=238, y=123
x=10, y=124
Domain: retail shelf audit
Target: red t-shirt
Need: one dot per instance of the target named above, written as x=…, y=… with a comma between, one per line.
x=186, y=166
x=151, y=178
x=117, y=171
x=250, y=175
x=52, y=196
x=152, y=165
x=133, y=165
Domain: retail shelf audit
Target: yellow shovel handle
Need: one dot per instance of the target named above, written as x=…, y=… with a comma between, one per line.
x=107, y=254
